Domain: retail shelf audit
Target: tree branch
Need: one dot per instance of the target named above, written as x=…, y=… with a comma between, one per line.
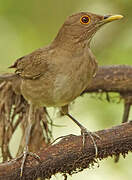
x=116, y=78
x=68, y=155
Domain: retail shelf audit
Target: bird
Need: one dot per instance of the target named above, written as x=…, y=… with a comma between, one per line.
x=55, y=75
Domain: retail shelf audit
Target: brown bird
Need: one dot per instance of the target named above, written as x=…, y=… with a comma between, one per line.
x=57, y=74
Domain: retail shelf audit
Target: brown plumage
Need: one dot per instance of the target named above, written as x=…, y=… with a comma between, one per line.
x=55, y=75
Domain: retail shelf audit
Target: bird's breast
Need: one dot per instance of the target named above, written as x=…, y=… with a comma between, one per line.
x=70, y=83
x=61, y=85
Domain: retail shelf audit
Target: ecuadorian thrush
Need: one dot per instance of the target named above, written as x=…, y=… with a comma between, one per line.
x=57, y=74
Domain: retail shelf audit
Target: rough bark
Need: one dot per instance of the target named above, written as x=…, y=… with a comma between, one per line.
x=69, y=156
x=116, y=78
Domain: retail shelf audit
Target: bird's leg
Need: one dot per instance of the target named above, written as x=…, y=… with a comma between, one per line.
x=31, y=118
x=84, y=131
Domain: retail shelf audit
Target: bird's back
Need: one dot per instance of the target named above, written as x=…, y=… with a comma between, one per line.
x=32, y=65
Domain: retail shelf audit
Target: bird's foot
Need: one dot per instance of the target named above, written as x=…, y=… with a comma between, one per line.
x=61, y=137
x=24, y=157
x=92, y=135
x=85, y=132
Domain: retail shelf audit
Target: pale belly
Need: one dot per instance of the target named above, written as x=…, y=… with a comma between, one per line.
x=60, y=90
x=67, y=89
x=59, y=94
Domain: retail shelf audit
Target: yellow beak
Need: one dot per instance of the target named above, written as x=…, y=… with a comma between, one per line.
x=110, y=18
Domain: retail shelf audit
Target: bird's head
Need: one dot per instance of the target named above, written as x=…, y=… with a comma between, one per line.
x=82, y=26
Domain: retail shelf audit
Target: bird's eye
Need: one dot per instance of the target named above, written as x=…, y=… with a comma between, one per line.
x=85, y=19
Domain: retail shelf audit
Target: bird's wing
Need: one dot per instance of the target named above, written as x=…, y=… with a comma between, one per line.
x=31, y=66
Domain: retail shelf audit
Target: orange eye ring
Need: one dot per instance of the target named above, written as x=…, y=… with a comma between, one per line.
x=85, y=19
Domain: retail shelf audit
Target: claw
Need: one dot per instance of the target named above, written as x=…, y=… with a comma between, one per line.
x=85, y=132
x=96, y=135
x=24, y=157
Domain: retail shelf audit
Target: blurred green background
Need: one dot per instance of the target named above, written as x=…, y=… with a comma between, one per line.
x=28, y=25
